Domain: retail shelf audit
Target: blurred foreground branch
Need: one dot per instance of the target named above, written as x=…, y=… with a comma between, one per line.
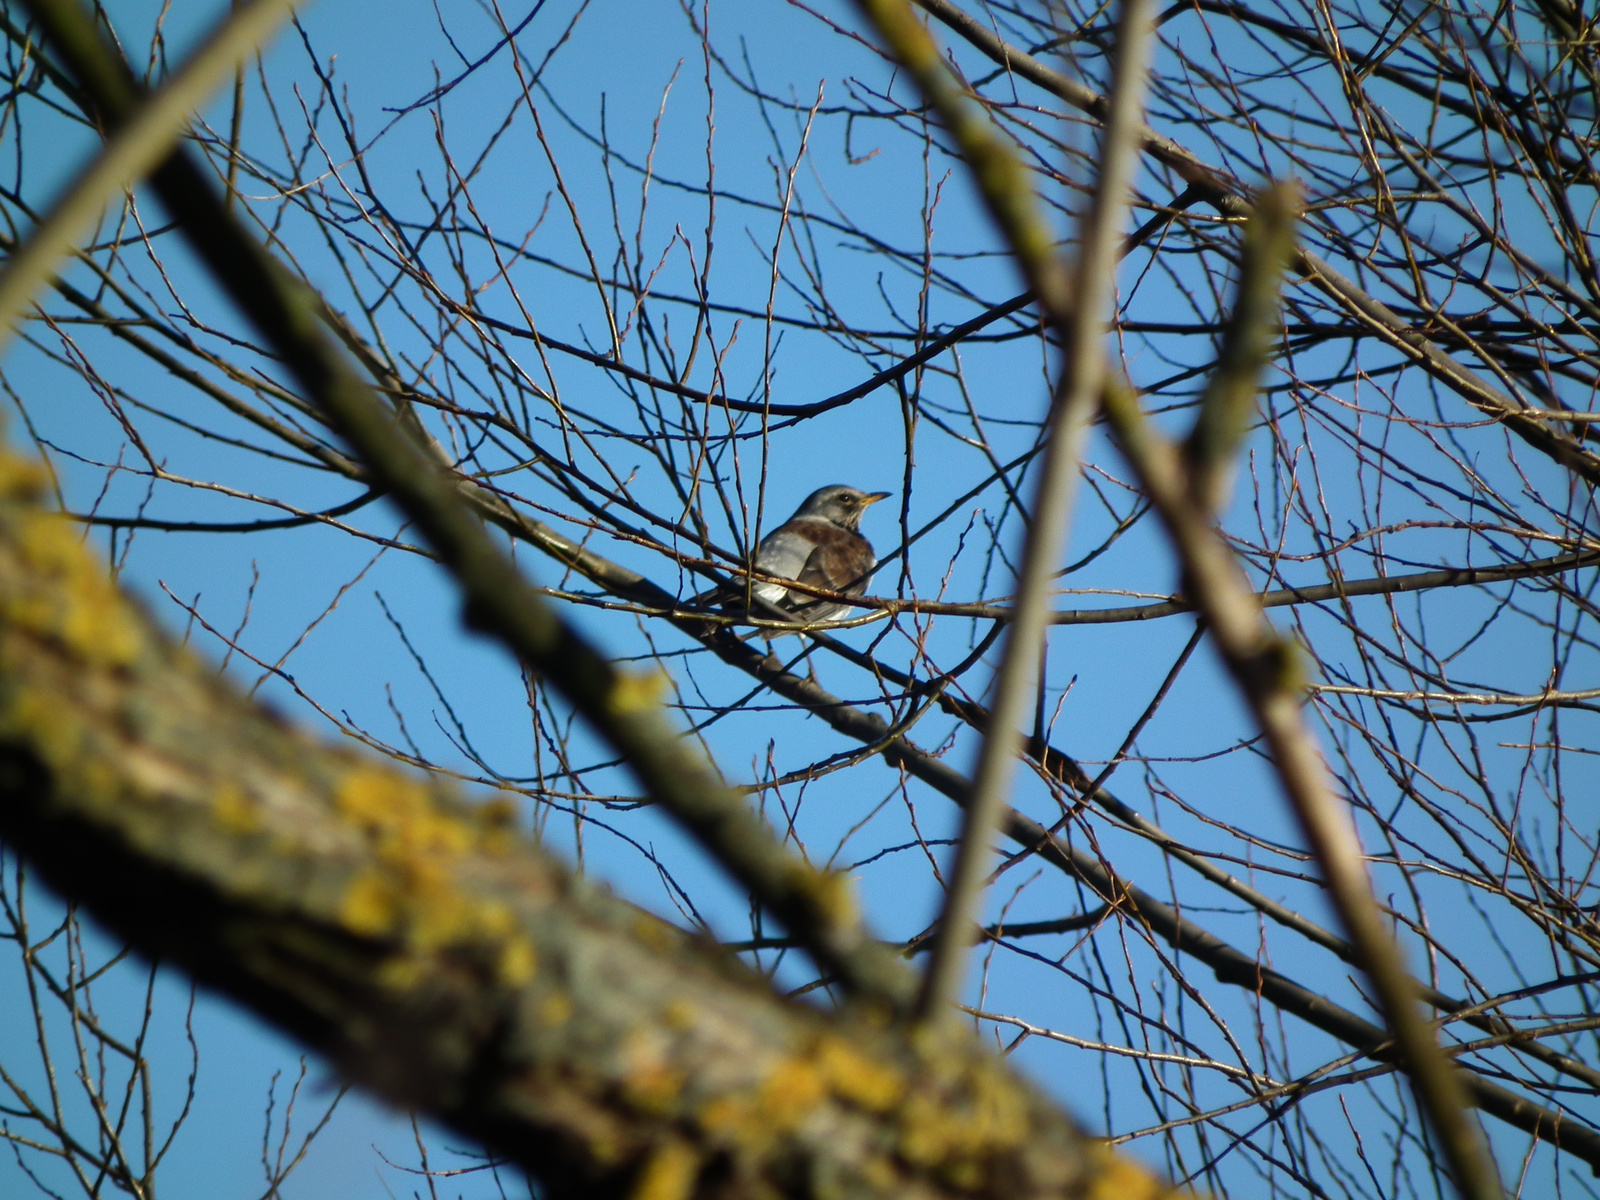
x=629, y=314
x=1183, y=491
x=622, y=708
x=443, y=960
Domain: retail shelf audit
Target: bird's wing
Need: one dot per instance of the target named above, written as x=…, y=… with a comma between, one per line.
x=841, y=562
x=782, y=552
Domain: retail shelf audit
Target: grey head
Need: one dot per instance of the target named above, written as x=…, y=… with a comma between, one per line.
x=838, y=504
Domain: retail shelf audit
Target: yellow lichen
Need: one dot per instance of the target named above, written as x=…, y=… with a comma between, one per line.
x=679, y=1015
x=999, y=1114
x=22, y=478
x=654, y=1088
x=1114, y=1176
x=498, y=810
x=234, y=809
x=830, y=891
x=787, y=1095
x=498, y=814
x=860, y=1080
x=956, y=1129
x=370, y=906
x=52, y=589
x=400, y=811
x=668, y=1174
x=923, y=1128
x=414, y=891
x=38, y=716
x=404, y=973
x=653, y=932
x=54, y=730
x=880, y=1175
x=792, y=1087
x=637, y=691
x=67, y=596
x=519, y=961
x=724, y=1116
x=417, y=844
x=555, y=1009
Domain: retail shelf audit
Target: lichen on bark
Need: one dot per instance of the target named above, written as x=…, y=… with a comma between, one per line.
x=444, y=960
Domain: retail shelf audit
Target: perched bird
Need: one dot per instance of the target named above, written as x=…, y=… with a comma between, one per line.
x=821, y=545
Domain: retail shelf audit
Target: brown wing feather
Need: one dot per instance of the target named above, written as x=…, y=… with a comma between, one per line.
x=842, y=562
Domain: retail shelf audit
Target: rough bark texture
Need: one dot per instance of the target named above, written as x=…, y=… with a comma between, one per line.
x=446, y=962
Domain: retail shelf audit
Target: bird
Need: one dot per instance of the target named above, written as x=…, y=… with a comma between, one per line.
x=821, y=545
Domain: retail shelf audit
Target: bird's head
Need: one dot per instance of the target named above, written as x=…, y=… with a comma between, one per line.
x=840, y=504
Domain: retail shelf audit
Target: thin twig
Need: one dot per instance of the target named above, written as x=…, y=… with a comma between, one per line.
x=1262, y=663
x=145, y=138
x=624, y=708
x=1072, y=409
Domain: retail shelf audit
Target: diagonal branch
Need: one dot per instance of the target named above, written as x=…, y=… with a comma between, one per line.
x=623, y=708
x=1230, y=965
x=443, y=960
x=1077, y=397
x=1261, y=662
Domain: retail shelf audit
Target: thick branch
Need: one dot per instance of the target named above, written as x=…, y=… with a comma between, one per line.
x=1231, y=965
x=443, y=960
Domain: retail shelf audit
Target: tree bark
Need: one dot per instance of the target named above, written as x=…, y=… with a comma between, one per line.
x=446, y=962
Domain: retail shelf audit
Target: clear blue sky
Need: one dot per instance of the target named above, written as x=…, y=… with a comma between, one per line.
x=388, y=54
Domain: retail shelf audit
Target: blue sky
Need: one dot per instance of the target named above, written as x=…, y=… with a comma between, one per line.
x=622, y=56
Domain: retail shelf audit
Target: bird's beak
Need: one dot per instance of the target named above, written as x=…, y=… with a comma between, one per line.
x=874, y=497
